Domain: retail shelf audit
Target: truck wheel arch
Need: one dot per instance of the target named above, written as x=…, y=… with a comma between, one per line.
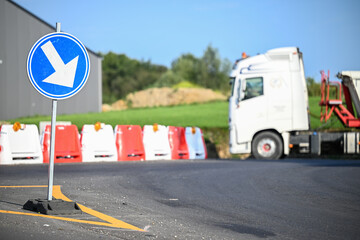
x=267, y=145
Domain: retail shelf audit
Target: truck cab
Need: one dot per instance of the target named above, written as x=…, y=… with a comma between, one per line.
x=269, y=100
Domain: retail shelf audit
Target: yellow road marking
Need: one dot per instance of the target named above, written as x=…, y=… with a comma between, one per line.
x=60, y=218
x=111, y=222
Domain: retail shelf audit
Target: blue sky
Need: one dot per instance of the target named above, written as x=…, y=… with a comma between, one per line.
x=326, y=31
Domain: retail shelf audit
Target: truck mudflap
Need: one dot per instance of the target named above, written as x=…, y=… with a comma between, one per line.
x=286, y=140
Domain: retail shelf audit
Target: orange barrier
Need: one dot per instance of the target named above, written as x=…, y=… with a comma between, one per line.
x=67, y=144
x=129, y=144
x=178, y=145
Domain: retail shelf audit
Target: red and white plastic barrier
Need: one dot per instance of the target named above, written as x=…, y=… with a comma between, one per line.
x=19, y=144
x=98, y=143
x=67, y=144
x=196, y=143
x=156, y=142
x=177, y=141
x=129, y=143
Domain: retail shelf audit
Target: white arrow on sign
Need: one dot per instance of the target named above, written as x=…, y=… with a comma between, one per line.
x=64, y=74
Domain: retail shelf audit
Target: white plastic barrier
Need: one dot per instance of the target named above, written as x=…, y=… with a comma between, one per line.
x=156, y=142
x=19, y=144
x=196, y=143
x=98, y=143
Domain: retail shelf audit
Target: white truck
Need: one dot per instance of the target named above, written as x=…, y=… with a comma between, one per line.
x=269, y=112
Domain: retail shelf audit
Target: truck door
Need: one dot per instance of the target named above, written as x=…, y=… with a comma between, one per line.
x=250, y=114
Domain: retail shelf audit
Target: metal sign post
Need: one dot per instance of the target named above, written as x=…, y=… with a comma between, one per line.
x=52, y=140
x=52, y=149
x=58, y=67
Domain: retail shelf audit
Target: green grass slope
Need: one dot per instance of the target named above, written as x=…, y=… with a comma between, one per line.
x=207, y=115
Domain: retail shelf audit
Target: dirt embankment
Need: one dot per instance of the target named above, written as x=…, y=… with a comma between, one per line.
x=155, y=97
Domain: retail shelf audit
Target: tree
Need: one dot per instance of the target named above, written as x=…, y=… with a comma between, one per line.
x=208, y=71
x=186, y=67
x=122, y=75
x=169, y=79
x=214, y=71
x=312, y=87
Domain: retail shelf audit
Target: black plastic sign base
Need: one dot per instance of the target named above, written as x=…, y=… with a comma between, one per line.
x=52, y=207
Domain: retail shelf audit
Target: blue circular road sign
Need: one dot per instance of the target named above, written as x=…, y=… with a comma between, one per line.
x=58, y=65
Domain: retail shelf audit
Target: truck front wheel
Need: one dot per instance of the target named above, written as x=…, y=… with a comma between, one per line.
x=267, y=145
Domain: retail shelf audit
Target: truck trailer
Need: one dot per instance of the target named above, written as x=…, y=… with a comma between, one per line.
x=269, y=110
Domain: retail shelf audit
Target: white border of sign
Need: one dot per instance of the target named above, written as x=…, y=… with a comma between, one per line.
x=29, y=63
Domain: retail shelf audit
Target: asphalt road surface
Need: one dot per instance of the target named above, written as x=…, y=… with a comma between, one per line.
x=204, y=199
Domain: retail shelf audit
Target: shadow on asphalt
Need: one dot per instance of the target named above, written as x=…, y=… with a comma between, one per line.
x=243, y=229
